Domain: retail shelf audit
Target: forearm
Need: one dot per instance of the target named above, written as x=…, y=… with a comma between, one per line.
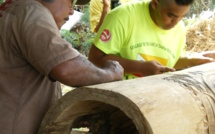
x=98, y=57
x=130, y=66
x=80, y=72
x=183, y=62
x=194, y=60
x=142, y=68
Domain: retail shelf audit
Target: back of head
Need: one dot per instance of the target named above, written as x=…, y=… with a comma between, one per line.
x=178, y=2
x=78, y=2
x=184, y=2
x=48, y=1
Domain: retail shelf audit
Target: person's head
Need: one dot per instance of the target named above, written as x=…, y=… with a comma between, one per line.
x=167, y=13
x=61, y=9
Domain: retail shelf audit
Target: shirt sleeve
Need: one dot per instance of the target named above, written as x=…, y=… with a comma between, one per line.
x=41, y=43
x=113, y=33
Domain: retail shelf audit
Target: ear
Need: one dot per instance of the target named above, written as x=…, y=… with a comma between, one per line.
x=155, y=4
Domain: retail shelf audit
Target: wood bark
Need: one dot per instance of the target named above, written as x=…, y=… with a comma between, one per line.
x=181, y=102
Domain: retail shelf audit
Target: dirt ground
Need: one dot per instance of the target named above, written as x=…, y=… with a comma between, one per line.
x=201, y=36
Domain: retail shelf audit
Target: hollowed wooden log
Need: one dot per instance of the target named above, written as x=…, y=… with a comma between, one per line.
x=181, y=102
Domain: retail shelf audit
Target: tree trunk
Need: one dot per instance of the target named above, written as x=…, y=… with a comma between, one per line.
x=181, y=102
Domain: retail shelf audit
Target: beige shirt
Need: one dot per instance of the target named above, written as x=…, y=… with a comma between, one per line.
x=30, y=46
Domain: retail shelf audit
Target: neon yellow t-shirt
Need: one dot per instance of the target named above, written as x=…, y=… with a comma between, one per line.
x=126, y=1
x=129, y=32
x=96, y=8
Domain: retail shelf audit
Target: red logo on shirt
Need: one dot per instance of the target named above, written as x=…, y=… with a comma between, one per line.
x=105, y=36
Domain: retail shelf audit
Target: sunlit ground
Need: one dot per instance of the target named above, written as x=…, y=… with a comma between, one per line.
x=66, y=89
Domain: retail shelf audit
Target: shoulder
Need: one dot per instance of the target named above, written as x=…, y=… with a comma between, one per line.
x=37, y=9
x=34, y=12
x=35, y=17
x=181, y=26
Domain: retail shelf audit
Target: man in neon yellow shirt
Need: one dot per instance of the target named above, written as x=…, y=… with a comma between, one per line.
x=146, y=37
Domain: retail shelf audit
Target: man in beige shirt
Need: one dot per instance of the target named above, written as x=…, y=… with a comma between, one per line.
x=34, y=59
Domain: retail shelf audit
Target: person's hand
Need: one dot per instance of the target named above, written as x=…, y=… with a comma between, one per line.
x=106, y=3
x=210, y=54
x=115, y=69
x=201, y=58
x=154, y=67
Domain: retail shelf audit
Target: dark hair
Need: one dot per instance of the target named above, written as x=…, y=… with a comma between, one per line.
x=48, y=1
x=184, y=2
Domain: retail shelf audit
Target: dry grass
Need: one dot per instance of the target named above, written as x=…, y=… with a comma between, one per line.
x=201, y=36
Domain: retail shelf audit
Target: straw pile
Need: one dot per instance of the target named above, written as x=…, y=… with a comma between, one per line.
x=201, y=36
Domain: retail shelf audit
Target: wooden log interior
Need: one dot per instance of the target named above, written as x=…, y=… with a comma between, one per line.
x=181, y=102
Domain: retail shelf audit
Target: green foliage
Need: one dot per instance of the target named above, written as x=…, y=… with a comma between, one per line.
x=81, y=41
x=1, y=1
x=197, y=8
x=67, y=35
x=86, y=16
x=201, y=5
x=189, y=21
x=80, y=35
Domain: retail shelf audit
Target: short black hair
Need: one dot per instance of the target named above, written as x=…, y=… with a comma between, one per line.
x=184, y=2
x=48, y=1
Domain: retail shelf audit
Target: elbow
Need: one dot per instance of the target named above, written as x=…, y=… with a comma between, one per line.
x=65, y=77
x=96, y=56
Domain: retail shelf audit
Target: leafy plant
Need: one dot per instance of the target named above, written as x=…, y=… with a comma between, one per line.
x=80, y=36
x=201, y=5
x=1, y=1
